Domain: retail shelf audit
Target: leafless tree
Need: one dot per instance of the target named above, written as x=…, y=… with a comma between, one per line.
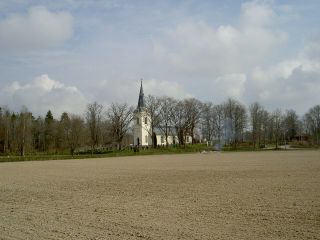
x=193, y=110
x=256, y=117
x=277, y=120
x=38, y=132
x=119, y=116
x=5, y=117
x=24, y=130
x=75, y=133
x=207, y=121
x=62, y=132
x=106, y=132
x=218, y=111
x=265, y=116
x=93, y=120
x=312, y=120
x=153, y=108
x=229, y=108
x=179, y=120
x=235, y=119
x=291, y=123
x=165, y=117
x=240, y=121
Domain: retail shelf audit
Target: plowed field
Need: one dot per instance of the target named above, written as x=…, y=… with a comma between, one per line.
x=262, y=195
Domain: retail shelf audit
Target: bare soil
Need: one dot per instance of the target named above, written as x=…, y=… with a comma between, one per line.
x=262, y=195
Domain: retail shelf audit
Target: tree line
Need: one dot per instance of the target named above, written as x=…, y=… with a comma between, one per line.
x=230, y=122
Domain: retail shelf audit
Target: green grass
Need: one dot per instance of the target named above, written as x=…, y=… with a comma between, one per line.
x=128, y=152
x=108, y=153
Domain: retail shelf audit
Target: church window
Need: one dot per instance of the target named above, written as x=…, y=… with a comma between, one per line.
x=137, y=120
x=145, y=120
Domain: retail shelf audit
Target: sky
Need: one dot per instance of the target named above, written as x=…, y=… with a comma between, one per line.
x=63, y=54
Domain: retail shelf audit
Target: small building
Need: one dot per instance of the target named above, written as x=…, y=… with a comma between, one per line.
x=142, y=135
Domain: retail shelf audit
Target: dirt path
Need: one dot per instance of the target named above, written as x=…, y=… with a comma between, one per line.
x=264, y=195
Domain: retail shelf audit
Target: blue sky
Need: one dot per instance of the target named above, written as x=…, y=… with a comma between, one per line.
x=63, y=54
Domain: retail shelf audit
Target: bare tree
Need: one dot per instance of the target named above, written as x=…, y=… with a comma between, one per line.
x=93, y=120
x=165, y=117
x=256, y=115
x=312, y=120
x=235, y=120
x=218, y=112
x=119, y=116
x=13, y=133
x=75, y=132
x=5, y=116
x=208, y=121
x=179, y=120
x=71, y=131
x=106, y=132
x=265, y=116
x=229, y=108
x=24, y=130
x=291, y=123
x=152, y=107
x=38, y=133
x=240, y=122
x=193, y=108
x=277, y=119
x=63, y=129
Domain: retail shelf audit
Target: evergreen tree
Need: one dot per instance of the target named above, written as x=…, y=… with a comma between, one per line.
x=49, y=131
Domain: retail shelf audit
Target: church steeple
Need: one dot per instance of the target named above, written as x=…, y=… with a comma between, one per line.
x=141, y=99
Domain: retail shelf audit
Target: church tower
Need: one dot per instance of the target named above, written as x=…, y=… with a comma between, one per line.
x=142, y=125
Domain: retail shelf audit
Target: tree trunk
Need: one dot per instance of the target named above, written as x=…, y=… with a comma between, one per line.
x=154, y=140
x=72, y=151
x=22, y=151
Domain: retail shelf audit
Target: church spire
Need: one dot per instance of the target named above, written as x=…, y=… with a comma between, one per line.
x=141, y=99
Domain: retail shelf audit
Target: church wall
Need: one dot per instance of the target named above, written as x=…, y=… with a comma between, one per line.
x=141, y=129
x=188, y=140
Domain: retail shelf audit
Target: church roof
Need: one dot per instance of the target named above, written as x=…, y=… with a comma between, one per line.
x=141, y=104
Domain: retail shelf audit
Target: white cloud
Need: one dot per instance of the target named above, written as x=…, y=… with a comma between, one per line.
x=160, y=88
x=218, y=60
x=43, y=94
x=232, y=85
x=37, y=29
x=289, y=84
x=257, y=13
x=312, y=49
x=128, y=90
x=199, y=47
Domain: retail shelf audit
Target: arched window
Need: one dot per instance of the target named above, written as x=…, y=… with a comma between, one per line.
x=137, y=120
x=145, y=120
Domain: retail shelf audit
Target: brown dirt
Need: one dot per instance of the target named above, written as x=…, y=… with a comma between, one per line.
x=263, y=195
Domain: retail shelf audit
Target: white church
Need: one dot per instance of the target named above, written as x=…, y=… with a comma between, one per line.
x=142, y=135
